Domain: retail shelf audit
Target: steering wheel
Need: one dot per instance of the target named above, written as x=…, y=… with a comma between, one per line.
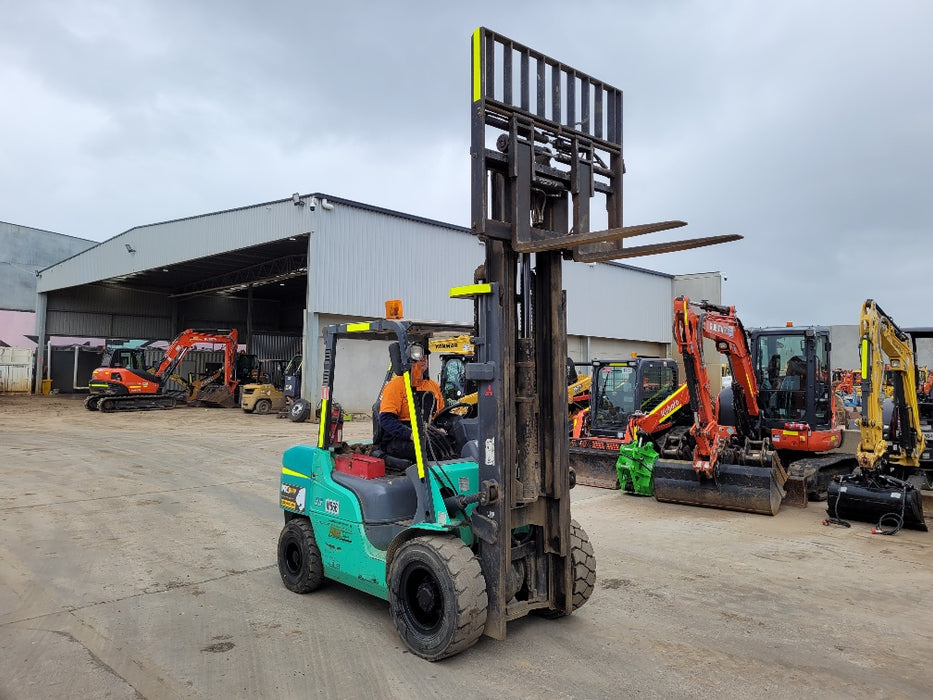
x=457, y=409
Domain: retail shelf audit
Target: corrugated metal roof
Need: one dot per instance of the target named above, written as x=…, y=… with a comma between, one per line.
x=359, y=255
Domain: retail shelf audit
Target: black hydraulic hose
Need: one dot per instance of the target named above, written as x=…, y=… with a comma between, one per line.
x=896, y=520
x=834, y=519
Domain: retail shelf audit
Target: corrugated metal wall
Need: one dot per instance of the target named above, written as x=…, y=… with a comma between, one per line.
x=276, y=347
x=23, y=250
x=362, y=258
x=611, y=301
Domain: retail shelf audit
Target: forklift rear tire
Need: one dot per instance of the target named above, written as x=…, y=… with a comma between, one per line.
x=262, y=407
x=437, y=595
x=299, y=411
x=299, y=557
x=583, y=563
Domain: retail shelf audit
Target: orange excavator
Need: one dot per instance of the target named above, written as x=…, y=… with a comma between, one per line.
x=126, y=385
x=772, y=435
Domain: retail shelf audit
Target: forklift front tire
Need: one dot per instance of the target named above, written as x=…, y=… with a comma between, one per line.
x=262, y=407
x=437, y=595
x=299, y=557
x=583, y=564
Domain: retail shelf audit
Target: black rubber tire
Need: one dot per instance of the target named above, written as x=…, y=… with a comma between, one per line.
x=437, y=595
x=299, y=411
x=90, y=403
x=299, y=558
x=263, y=407
x=583, y=564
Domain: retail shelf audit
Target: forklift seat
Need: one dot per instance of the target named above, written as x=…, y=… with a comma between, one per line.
x=385, y=499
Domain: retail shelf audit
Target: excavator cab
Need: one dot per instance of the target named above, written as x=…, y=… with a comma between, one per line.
x=790, y=365
x=128, y=358
x=622, y=387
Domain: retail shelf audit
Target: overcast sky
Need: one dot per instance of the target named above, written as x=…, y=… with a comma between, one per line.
x=803, y=126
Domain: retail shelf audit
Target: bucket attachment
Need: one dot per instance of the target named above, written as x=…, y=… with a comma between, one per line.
x=869, y=498
x=795, y=492
x=215, y=395
x=752, y=489
x=635, y=466
x=595, y=466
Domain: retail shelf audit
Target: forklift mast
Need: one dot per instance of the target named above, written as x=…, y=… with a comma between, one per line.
x=546, y=139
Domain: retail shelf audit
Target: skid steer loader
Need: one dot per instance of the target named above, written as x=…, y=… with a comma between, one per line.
x=461, y=546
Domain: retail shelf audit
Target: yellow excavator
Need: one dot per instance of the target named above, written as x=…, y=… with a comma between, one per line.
x=885, y=486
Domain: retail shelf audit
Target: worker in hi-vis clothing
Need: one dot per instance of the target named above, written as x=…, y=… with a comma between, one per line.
x=394, y=416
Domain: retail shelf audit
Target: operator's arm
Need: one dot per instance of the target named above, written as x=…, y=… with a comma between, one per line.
x=394, y=427
x=436, y=390
x=393, y=408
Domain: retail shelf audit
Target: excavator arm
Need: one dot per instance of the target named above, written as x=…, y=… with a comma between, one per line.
x=182, y=345
x=649, y=423
x=705, y=430
x=881, y=337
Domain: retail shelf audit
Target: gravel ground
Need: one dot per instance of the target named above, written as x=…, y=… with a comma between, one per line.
x=137, y=559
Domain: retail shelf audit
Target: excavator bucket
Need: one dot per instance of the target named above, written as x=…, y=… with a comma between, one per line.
x=877, y=499
x=595, y=465
x=215, y=395
x=752, y=489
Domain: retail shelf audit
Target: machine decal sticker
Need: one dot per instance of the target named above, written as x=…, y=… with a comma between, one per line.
x=338, y=532
x=332, y=506
x=463, y=484
x=490, y=451
x=292, y=497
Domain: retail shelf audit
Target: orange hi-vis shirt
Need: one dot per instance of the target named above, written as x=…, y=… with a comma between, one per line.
x=395, y=401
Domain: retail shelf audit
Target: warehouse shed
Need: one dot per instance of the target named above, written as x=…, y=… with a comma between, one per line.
x=280, y=271
x=23, y=252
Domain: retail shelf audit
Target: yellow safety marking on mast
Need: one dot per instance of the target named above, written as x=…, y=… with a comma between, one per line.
x=320, y=436
x=477, y=66
x=470, y=290
x=415, y=434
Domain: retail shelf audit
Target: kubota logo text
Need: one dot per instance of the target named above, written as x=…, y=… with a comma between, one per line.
x=722, y=330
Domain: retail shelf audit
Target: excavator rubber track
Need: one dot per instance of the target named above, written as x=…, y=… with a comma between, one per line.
x=750, y=489
x=113, y=404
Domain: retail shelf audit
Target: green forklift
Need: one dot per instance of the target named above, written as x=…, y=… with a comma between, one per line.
x=477, y=530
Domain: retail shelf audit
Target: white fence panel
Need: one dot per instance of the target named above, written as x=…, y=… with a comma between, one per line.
x=16, y=370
